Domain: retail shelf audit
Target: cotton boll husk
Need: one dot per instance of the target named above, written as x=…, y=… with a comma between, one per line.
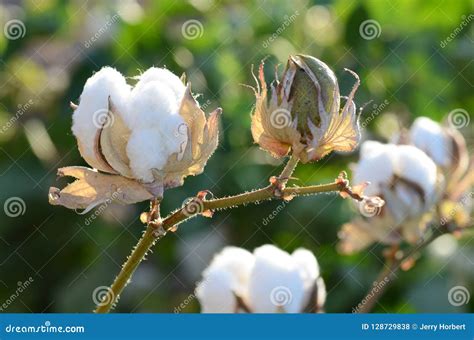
x=430, y=137
x=415, y=166
x=376, y=165
x=93, y=107
x=275, y=282
x=215, y=292
x=165, y=77
x=146, y=151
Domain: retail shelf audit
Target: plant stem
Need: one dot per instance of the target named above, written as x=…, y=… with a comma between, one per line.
x=199, y=205
x=387, y=275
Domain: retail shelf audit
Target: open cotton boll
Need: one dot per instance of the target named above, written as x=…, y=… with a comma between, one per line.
x=93, y=108
x=430, y=137
x=164, y=77
x=215, y=291
x=376, y=165
x=415, y=166
x=275, y=282
x=309, y=272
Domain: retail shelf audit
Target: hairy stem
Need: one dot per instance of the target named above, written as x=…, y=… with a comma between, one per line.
x=199, y=205
x=387, y=274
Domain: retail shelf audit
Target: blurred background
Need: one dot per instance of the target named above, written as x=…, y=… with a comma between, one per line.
x=414, y=58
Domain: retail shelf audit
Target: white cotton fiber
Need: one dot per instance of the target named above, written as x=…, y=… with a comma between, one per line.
x=146, y=151
x=93, y=107
x=429, y=136
x=165, y=77
x=275, y=282
x=376, y=165
x=215, y=293
x=415, y=166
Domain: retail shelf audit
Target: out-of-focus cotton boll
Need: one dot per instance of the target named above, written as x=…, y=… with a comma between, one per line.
x=268, y=281
x=275, y=282
x=92, y=110
x=215, y=291
x=430, y=137
x=407, y=179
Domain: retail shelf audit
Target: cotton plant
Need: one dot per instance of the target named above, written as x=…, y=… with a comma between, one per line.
x=145, y=135
x=269, y=280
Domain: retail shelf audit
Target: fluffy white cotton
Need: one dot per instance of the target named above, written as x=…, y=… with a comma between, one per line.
x=93, y=107
x=146, y=151
x=275, y=282
x=309, y=272
x=163, y=76
x=430, y=137
x=376, y=165
x=226, y=277
x=415, y=166
x=155, y=119
x=215, y=292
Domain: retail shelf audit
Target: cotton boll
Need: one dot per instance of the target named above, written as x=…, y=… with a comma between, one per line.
x=430, y=137
x=376, y=165
x=93, y=107
x=146, y=151
x=215, y=292
x=275, y=282
x=164, y=77
x=414, y=165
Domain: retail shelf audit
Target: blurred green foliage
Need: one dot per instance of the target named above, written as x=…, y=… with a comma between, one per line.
x=67, y=255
